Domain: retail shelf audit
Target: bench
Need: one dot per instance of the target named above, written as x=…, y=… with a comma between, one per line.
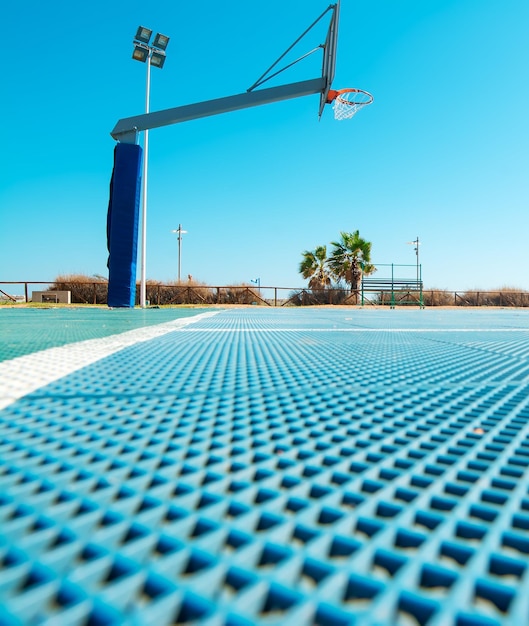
x=402, y=290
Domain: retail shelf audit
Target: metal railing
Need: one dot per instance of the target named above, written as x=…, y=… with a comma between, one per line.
x=159, y=294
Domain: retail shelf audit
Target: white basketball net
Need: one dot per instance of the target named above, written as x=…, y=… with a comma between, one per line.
x=348, y=103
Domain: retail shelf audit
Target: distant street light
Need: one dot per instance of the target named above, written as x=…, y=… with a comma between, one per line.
x=152, y=55
x=416, y=243
x=180, y=233
x=257, y=281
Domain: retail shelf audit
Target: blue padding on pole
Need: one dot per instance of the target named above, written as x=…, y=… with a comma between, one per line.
x=122, y=225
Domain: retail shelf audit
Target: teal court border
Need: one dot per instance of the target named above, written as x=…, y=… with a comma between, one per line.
x=273, y=467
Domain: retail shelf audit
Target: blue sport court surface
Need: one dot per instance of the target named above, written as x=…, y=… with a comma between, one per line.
x=264, y=466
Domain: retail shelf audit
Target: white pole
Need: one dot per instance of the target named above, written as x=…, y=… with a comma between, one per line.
x=143, y=285
x=179, y=249
x=180, y=231
x=417, y=251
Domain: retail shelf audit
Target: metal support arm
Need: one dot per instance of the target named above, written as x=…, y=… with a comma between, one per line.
x=127, y=129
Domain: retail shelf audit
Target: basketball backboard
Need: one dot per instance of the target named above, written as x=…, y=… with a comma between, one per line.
x=329, y=56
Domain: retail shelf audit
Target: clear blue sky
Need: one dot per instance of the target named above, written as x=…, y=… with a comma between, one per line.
x=441, y=154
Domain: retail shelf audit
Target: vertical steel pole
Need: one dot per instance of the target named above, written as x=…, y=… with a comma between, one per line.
x=143, y=285
x=179, y=249
x=420, y=287
x=417, y=253
x=392, y=290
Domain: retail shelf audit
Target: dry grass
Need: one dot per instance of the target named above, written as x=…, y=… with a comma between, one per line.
x=84, y=289
x=191, y=292
x=437, y=297
x=504, y=296
x=93, y=290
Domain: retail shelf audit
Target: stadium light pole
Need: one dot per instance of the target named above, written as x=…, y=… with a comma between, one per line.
x=180, y=232
x=151, y=55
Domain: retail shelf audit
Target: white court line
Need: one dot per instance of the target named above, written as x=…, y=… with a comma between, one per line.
x=357, y=330
x=25, y=374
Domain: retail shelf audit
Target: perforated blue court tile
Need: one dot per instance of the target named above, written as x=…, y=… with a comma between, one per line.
x=289, y=467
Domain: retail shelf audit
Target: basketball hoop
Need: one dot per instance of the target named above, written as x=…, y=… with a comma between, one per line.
x=347, y=102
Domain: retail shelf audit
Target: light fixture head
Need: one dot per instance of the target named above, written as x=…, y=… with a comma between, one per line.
x=140, y=53
x=160, y=41
x=158, y=58
x=143, y=34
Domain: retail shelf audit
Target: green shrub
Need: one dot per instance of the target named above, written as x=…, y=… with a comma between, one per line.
x=315, y=297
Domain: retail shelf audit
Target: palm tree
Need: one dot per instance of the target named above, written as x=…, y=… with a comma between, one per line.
x=314, y=267
x=351, y=257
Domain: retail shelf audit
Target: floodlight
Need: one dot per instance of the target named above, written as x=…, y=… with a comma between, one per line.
x=160, y=41
x=153, y=55
x=140, y=53
x=143, y=34
x=158, y=58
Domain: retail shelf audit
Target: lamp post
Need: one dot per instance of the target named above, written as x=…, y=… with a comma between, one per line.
x=416, y=243
x=152, y=55
x=257, y=281
x=180, y=232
